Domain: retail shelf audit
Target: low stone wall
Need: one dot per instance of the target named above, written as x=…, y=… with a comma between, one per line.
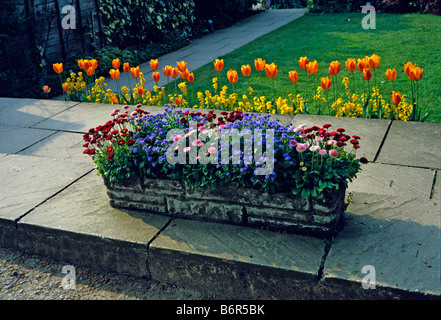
x=232, y=205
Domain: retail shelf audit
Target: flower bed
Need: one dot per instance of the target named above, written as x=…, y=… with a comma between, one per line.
x=369, y=103
x=229, y=167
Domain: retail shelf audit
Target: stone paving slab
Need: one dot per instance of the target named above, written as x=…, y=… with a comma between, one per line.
x=16, y=139
x=80, y=118
x=60, y=145
x=233, y=261
x=28, y=181
x=79, y=226
x=436, y=196
x=399, y=181
x=413, y=143
x=392, y=225
x=371, y=131
x=29, y=112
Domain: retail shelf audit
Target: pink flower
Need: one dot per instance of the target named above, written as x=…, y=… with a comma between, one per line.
x=303, y=135
x=201, y=128
x=322, y=152
x=212, y=150
x=301, y=147
x=186, y=149
x=116, y=110
x=177, y=138
x=332, y=142
x=314, y=148
x=333, y=153
x=126, y=107
x=198, y=143
x=189, y=133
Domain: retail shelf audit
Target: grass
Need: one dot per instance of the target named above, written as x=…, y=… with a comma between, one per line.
x=398, y=38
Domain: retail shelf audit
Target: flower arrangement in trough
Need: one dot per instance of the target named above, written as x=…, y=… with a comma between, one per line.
x=190, y=146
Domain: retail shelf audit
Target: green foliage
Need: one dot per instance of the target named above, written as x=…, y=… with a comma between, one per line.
x=329, y=6
x=288, y=4
x=127, y=22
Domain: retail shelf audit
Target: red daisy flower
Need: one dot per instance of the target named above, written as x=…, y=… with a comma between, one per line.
x=110, y=155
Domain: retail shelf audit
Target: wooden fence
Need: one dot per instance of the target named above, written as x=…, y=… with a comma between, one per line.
x=55, y=30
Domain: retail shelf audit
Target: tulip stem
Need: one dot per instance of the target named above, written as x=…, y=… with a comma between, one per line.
x=130, y=86
x=261, y=82
x=353, y=80
x=274, y=96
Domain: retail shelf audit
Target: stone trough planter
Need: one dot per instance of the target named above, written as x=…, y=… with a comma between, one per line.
x=231, y=205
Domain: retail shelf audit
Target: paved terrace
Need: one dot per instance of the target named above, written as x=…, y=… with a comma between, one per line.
x=53, y=203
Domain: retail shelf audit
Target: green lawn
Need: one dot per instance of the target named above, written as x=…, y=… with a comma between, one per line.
x=327, y=37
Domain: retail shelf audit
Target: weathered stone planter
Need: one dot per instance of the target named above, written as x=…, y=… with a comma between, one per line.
x=228, y=204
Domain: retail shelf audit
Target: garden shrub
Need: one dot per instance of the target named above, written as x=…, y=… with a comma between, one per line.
x=288, y=4
x=126, y=22
x=329, y=6
x=406, y=6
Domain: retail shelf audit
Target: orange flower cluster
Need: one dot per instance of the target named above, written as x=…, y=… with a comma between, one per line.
x=89, y=66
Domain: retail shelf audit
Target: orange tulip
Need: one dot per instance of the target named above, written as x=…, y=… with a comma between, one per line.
x=156, y=76
x=334, y=68
x=46, y=89
x=134, y=72
x=140, y=91
x=303, y=61
x=259, y=64
x=65, y=87
x=114, y=99
x=363, y=64
x=182, y=66
x=167, y=70
x=391, y=74
x=246, y=70
x=351, y=64
x=374, y=61
x=115, y=63
x=178, y=101
x=293, y=76
x=174, y=73
x=416, y=73
x=271, y=70
x=94, y=63
x=81, y=64
x=154, y=64
x=325, y=83
x=396, y=97
x=126, y=67
x=367, y=74
x=218, y=64
x=86, y=64
x=312, y=67
x=190, y=77
x=184, y=74
x=90, y=71
x=408, y=67
x=114, y=73
x=232, y=76
x=58, y=67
